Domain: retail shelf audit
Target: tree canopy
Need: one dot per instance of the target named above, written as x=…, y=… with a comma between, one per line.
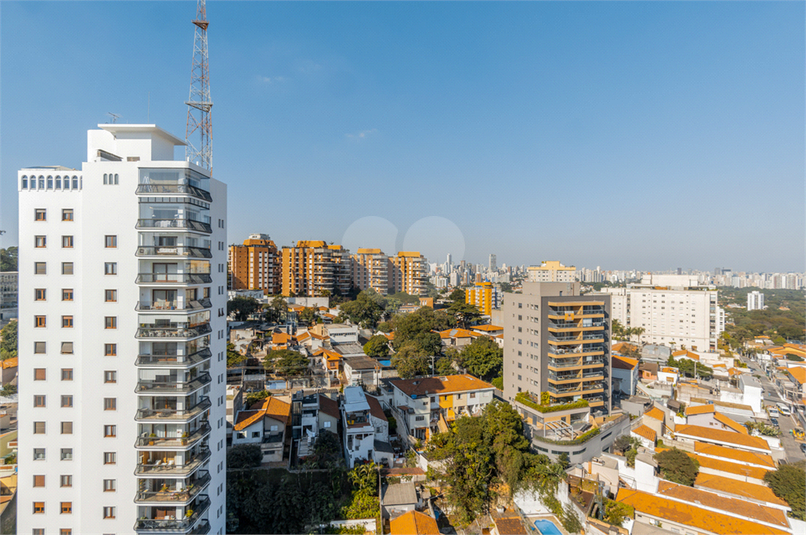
x=8, y=258
x=244, y=456
x=482, y=358
x=233, y=357
x=465, y=313
x=687, y=368
x=242, y=307
x=410, y=361
x=787, y=482
x=286, y=362
x=377, y=347
x=366, y=310
x=8, y=343
x=277, y=310
x=677, y=467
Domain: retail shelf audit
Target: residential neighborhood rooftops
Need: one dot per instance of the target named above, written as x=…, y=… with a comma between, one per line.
x=624, y=363
x=700, y=409
x=739, y=489
x=732, y=454
x=328, y=406
x=487, y=328
x=735, y=426
x=655, y=413
x=798, y=373
x=739, y=469
x=375, y=408
x=684, y=353
x=274, y=409
x=399, y=494
x=510, y=526
x=709, y=434
x=247, y=418
x=361, y=362
x=440, y=385
x=455, y=333
x=645, y=432
x=414, y=523
x=355, y=400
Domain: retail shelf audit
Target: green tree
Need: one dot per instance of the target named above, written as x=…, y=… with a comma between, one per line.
x=787, y=482
x=377, y=347
x=277, y=310
x=410, y=361
x=233, y=357
x=677, y=467
x=385, y=327
x=8, y=259
x=444, y=366
x=465, y=313
x=8, y=341
x=498, y=382
x=242, y=307
x=617, y=329
x=622, y=443
x=244, y=456
x=458, y=295
x=482, y=358
x=616, y=512
x=286, y=362
x=308, y=316
x=688, y=368
x=8, y=390
x=570, y=520
x=254, y=397
x=326, y=451
x=564, y=460
x=366, y=310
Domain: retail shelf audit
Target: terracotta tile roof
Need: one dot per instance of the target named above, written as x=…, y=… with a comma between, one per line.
x=301, y=337
x=720, y=435
x=623, y=363
x=10, y=363
x=705, y=498
x=414, y=523
x=280, y=338
x=274, y=408
x=645, y=432
x=442, y=385
x=247, y=418
x=331, y=355
x=700, y=409
x=691, y=515
x=328, y=406
x=686, y=353
x=732, y=454
x=510, y=526
x=798, y=373
x=669, y=370
x=375, y=408
x=623, y=346
x=389, y=336
x=655, y=413
x=724, y=420
x=487, y=328
x=455, y=333
x=738, y=469
x=740, y=489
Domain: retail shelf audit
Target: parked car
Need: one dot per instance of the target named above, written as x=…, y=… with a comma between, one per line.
x=803, y=448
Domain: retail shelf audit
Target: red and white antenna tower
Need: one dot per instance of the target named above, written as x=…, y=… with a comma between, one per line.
x=200, y=104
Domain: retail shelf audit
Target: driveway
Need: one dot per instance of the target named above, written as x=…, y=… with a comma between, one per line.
x=791, y=446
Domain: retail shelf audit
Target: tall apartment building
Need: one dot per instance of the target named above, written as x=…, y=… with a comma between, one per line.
x=312, y=267
x=408, y=272
x=492, y=264
x=371, y=270
x=672, y=309
x=9, y=286
x=551, y=271
x=255, y=265
x=484, y=295
x=755, y=301
x=122, y=341
x=558, y=341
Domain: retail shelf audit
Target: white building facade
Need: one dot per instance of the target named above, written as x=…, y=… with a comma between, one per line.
x=122, y=341
x=755, y=301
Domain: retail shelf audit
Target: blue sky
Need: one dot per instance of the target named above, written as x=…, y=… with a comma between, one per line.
x=627, y=135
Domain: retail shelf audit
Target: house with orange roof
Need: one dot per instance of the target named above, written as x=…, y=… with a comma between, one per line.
x=749, y=458
x=489, y=330
x=623, y=347
x=645, y=436
x=264, y=423
x=751, y=492
x=731, y=439
x=624, y=371
x=669, y=375
x=729, y=469
x=457, y=338
x=711, y=418
x=656, y=419
x=686, y=354
x=9, y=373
x=328, y=415
x=414, y=523
x=798, y=377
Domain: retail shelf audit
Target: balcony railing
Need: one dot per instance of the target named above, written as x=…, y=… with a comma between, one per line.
x=174, y=414
x=174, y=223
x=167, y=470
x=177, y=330
x=174, y=189
x=575, y=388
x=174, y=278
x=170, y=306
x=177, y=526
x=172, y=387
x=173, y=496
x=172, y=359
x=574, y=338
x=202, y=528
x=173, y=250
x=163, y=443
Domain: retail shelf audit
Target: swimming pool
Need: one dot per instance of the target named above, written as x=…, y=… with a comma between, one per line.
x=547, y=527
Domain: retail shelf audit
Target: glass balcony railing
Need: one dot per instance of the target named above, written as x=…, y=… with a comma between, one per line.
x=174, y=223
x=202, y=528
x=168, y=414
x=172, y=359
x=184, y=525
x=168, y=469
x=165, y=305
x=174, y=278
x=173, y=189
x=171, y=495
x=175, y=330
x=173, y=386
x=170, y=443
x=173, y=250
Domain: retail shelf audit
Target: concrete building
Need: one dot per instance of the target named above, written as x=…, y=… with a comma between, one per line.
x=551, y=271
x=255, y=265
x=492, y=265
x=484, y=295
x=557, y=341
x=673, y=310
x=408, y=272
x=9, y=281
x=312, y=267
x=122, y=353
x=755, y=301
x=371, y=270
x=359, y=433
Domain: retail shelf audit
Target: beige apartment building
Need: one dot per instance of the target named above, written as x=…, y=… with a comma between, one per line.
x=310, y=268
x=371, y=270
x=551, y=271
x=408, y=272
x=255, y=265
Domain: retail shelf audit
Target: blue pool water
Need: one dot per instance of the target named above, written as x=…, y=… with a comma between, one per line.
x=547, y=527
x=386, y=362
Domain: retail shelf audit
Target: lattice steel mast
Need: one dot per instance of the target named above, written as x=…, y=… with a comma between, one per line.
x=200, y=104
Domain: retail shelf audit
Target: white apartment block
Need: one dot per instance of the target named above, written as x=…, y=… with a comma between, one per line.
x=122, y=341
x=755, y=301
x=551, y=271
x=672, y=309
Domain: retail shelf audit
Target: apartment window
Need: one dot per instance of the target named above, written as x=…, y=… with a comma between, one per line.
x=40, y=214
x=111, y=296
x=65, y=531
x=40, y=374
x=67, y=242
x=39, y=454
x=109, y=512
x=110, y=242
x=40, y=347
x=110, y=268
x=39, y=321
x=110, y=376
x=110, y=404
x=39, y=508
x=110, y=457
x=40, y=268
x=110, y=350
x=39, y=481
x=66, y=481
x=67, y=294
x=67, y=322
x=67, y=374
x=110, y=485
x=67, y=214
x=67, y=508
x=67, y=268
x=67, y=428
x=110, y=430
x=110, y=322
x=38, y=531
x=39, y=428
x=39, y=401
x=67, y=348
x=67, y=401
x=67, y=454
x=40, y=242
x=39, y=294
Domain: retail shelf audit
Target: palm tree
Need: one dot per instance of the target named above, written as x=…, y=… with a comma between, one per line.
x=638, y=331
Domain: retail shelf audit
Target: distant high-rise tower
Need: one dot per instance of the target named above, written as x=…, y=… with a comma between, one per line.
x=492, y=265
x=200, y=104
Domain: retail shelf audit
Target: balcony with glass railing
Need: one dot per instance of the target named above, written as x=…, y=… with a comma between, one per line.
x=172, y=384
x=172, y=358
x=172, y=330
x=167, y=464
x=172, y=490
x=174, y=278
x=173, y=251
x=183, y=224
x=167, y=526
x=161, y=442
x=168, y=412
x=578, y=388
x=173, y=305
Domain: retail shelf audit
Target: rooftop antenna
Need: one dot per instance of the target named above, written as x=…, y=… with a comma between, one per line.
x=200, y=103
x=114, y=116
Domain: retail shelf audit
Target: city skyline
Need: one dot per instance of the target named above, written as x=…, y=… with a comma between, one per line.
x=675, y=130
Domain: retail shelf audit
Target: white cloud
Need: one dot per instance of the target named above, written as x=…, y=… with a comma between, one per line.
x=271, y=79
x=362, y=134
